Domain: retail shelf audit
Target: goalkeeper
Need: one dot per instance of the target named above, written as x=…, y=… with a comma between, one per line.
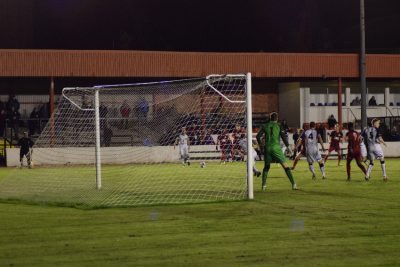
x=25, y=144
x=272, y=132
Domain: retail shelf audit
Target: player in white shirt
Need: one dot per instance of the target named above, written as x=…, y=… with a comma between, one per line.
x=184, y=144
x=373, y=141
x=243, y=149
x=312, y=138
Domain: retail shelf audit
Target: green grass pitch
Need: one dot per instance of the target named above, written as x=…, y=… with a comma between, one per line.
x=327, y=223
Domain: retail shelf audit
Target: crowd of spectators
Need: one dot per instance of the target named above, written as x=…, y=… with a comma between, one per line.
x=10, y=117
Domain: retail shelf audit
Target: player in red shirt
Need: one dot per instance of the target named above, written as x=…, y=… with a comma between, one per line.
x=225, y=144
x=354, y=150
x=335, y=139
x=300, y=147
x=237, y=134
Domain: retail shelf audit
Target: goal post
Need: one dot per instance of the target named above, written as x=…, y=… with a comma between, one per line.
x=151, y=143
x=249, y=133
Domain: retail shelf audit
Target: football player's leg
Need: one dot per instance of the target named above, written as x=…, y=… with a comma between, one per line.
x=186, y=154
x=371, y=157
x=327, y=155
x=21, y=158
x=223, y=158
x=28, y=159
x=321, y=163
x=280, y=157
x=348, y=167
x=255, y=170
x=296, y=160
x=310, y=161
x=267, y=165
x=381, y=157
x=182, y=154
x=289, y=174
x=359, y=164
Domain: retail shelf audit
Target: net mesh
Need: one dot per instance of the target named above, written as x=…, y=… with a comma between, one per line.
x=142, y=162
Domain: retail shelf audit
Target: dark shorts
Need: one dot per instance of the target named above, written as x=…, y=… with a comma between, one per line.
x=23, y=153
x=334, y=148
x=355, y=154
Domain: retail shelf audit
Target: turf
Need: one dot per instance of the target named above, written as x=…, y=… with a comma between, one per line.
x=327, y=223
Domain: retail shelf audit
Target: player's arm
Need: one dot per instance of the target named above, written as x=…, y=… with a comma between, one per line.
x=381, y=141
x=298, y=143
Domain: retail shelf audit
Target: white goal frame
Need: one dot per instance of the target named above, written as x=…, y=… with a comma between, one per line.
x=247, y=102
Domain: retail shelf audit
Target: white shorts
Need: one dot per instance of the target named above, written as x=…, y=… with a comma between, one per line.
x=363, y=150
x=255, y=155
x=184, y=151
x=375, y=152
x=313, y=154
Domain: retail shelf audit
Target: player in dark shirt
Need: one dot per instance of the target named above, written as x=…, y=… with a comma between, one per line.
x=353, y=150
x=300, y=148
x=25, y=144
x=335, y=139
x=225, y=145
x=237, y=135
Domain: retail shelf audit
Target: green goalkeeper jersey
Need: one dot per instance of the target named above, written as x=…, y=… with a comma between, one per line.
x=272, y=132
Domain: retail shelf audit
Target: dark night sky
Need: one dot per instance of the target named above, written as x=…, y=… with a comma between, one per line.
x=189, y=25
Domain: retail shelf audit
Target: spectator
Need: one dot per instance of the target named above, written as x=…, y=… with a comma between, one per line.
x=2, y=105
x=13, y=103
x=193, y=133
x=125, y=111
x=3, y=117
x=356, y=102
x=44, y=111
x=143, y=110
x=107, y=135
x=14, y=117
x=33, y=123
x=285, y=126
x=331, y=122
x=25, y=144
x=394, y=135
x=103, y=110
x=372, y=101
x=208, y=140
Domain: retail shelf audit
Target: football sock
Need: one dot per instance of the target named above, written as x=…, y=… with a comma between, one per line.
x=311, y=167
x=370, y=166
x=348, y=168
x=295, y=163
x=322, y=168
x=383, y=166
x=265, y=173
x=289, y=175
x=361, y=167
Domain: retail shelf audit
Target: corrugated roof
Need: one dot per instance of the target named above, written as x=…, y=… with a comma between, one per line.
x=106, y=63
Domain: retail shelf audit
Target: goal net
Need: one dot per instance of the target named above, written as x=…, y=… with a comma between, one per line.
x=142, y=144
